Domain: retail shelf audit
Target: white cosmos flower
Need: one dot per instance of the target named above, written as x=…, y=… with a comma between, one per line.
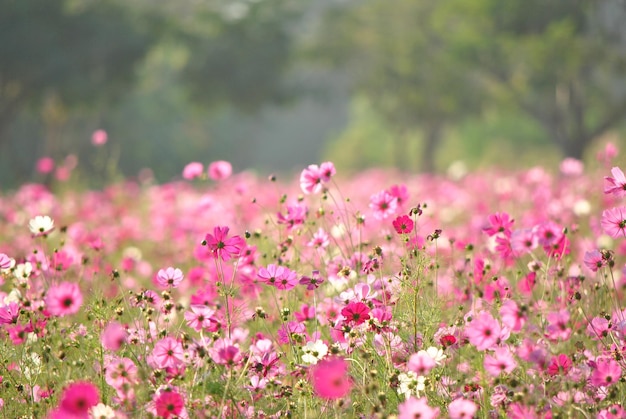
x=314, y=351
x=22, y=271
x=41, y=224
x=411, y=384
x=436, y=354
x=102, y=411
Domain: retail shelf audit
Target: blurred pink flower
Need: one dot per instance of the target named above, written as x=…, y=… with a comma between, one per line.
x=417, y=408
x=99, y=137
x=462, y=409
x=383, y=204
x=64, y=299
x=45, y=165
x=220, y=170
x=330, y=378
x=193, y=170
x=77, y=399
x=501, y=361
x=113, y=336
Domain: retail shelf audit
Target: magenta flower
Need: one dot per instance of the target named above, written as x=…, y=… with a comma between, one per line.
x=45, y=165
x=9, y=313
x=271, y=274
x=383, y=204
x=483, y=331
x=78, y=398
x=169, y=278
x=168, y=352
x=193, y=170
x=225, y=352
x=312, y=282
x=559, y=365
x=617, y=184
x=403, y=224
x=330, y=378
x=64, y=299
x=598, y=328
x=223, y=247
x=462, y=409
x=200, y=317
x=500, y=222
x=356, y=313
x=501, y=361
x=417, y=408
x=220, y=170
x=168, y=404
x=606, y=373
x=614, y=222
x=113, y=336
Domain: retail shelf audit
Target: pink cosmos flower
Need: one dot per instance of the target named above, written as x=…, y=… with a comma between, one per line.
x=168, y=352
x=9, y=313
x=312, y=282
x=417, y=408
x=500, y=222
x=594, y=260
x=320, y=239
x=557, y=328
x=614, y=222
x=169, y=277
x=330, y=378
x=45, y=165
x=524, y=241
x=168, y=404
x=99, y=137
x=223, y=247
x=572, y=167
x=483, y=331
x=296, y=214
x=313, y=177
x=606, y=373
x=121, y=372
x=598, y=328
x=501, y=361
x=113, y=336
x=78, y=398
x=64, y=299
x=403, y=224
x=462, y=409
x=193, y=170
x=356, y=313
x=383, y=204
x=225, y=352
x=559, y=365
x=200, y=317
x=5, y=261
x=400, y=193
x=512, y=316
x=327, y=171
x=421, y=363
x=220, y=170
x=617, y=184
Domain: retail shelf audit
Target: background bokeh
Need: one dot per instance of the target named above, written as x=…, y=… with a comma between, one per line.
x=273, y=85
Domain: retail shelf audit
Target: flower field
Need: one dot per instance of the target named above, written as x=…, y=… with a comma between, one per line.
x=491, y=294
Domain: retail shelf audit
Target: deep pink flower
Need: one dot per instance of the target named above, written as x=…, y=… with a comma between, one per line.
x=614, y=222
x=462, y=409
x=64, y=299
x=193, y=170
x=617, y=184
x=330, y=378
x=417, y=408
x=169, y=277
x=296, y=215
x=500, y=222
x=9, y=313
x=557, y=328
x=220, y=170
x=383, y=204
x=113, y=336
x=403, y=224
x=78, y=398
x=168, y=352
x=356, y=313
x=559, y=365
x=223, y=247
x=312, y=282
x=501, y=361
x=606, y=373
x=45, y=165
x=483, y=331
x=598, y=328
x=168, y=404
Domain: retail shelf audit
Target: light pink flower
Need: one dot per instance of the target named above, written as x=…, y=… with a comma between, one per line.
x=220, y=170
x=113, y=336
x=462, y=409
x=64, y=299
x=501, y=361
x=607, y=372
x=5, y=261
x=168, y=352
x=99, y=137
x=483, y=331
x=614, y=222
x=200, y=317
x=615, y=185
x=169, y=277
x=593, y=260
x=45, y=165
x=383, y=205
x=557, y=328
x=193, y=170
x=311, y=180
x=421, y=363
x=417, y=408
